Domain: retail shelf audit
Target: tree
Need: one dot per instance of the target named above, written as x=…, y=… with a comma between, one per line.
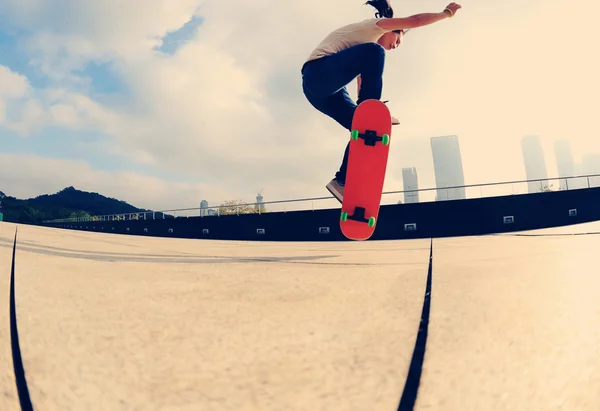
x=232, y=207
x=259, y=208
x=80, y=214
x=547, y=189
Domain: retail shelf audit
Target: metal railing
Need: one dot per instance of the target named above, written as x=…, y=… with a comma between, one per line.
x=390, y=197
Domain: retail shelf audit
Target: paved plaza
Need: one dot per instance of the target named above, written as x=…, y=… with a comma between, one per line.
x=113, y=322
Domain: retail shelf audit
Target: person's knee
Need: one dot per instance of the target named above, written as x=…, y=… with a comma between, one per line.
x=375, y=50
x=343, y=117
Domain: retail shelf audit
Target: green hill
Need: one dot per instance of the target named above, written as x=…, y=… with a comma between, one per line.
x=67, y=203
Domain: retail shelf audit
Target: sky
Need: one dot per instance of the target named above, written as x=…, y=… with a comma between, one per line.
x=164, y=103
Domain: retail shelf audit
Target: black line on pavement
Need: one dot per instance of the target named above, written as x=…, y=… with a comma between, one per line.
x=20, y=379
x=411, y=387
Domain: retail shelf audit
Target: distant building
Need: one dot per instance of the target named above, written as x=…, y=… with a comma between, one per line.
x=535, y=163
x=411, y=182
x=259, y=207
x=590, y=164
x=447, y=164
x=564, y=163
x=204, y=208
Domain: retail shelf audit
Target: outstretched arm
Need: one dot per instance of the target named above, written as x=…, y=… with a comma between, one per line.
x=418, y=20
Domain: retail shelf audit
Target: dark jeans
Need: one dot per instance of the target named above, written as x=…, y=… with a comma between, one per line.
x=324, y=84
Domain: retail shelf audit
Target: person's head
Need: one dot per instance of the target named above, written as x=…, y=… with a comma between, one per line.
x=391, y=39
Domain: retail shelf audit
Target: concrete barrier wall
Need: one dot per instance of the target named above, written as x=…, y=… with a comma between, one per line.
x=403, y=221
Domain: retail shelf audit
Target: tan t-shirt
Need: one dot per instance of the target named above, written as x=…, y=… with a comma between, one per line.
x=350, y=35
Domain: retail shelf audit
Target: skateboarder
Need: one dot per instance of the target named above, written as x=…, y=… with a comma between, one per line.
x=357, y=51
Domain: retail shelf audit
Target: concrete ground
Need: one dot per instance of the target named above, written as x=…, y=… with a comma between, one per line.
x=109, y=322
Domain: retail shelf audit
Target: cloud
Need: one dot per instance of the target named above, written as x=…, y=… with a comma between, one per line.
x=27, y=110
x=225, y=107
x=201, y=111
x=14, y=90
x=12, y=85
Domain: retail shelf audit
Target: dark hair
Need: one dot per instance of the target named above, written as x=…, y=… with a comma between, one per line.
x=383, y=8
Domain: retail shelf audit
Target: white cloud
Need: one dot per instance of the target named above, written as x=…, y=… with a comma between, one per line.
x=228, y=110
x=14, y=89
x=32, y=110
x=12, y=85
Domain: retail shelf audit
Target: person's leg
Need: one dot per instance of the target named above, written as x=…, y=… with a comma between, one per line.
x=339, y=107
x=328, y=75
x=340, y=175
x=324, y=84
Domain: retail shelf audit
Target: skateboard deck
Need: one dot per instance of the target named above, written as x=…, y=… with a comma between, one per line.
x=367, y=161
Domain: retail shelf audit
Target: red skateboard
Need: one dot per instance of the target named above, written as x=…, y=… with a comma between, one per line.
x=367, y=162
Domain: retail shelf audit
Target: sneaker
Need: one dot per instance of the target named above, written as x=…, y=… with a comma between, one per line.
x=395, y=121
x=336, y=189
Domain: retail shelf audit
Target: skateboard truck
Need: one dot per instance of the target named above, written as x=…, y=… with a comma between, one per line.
x=359, y=215
x=370, y=137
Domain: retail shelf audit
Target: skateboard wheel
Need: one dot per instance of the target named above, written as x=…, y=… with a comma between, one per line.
x=385, y=139
x=372, y=222
x=354, y=135
x=344, y=216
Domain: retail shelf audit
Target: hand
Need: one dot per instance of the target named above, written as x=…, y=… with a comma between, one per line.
x=453, y=7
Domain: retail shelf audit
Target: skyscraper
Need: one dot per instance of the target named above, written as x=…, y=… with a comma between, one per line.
x=447, y=164
x=411, y=182
x=564, y=162
x=203, y=207
x=259, y=202
x=590, y=164
x=535, y=163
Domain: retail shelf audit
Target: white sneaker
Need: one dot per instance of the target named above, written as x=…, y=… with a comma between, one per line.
x=336, y=189
x=395, y=121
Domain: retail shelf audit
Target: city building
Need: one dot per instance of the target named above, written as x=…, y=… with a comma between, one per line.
x=203, y=208
x=259, y=202
x=590, y=164
x=535, y=163
x=447, y=164
x=564, y=163
x=411, y=182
